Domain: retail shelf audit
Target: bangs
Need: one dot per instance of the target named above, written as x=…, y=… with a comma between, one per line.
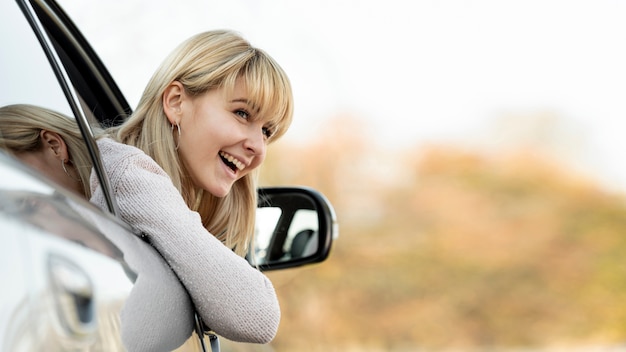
x=268, y=91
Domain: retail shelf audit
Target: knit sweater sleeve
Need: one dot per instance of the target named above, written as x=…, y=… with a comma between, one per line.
x=233, y=298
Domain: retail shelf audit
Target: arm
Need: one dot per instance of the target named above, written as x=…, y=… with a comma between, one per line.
x=234, y=299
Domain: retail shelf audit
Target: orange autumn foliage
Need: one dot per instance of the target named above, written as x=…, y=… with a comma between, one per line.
x=445, y=248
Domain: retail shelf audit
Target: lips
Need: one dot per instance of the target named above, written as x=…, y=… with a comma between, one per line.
x=231, y=161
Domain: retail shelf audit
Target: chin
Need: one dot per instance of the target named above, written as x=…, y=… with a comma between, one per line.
x=219, y=192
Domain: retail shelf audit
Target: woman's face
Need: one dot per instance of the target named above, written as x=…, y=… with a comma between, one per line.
x=221, y=138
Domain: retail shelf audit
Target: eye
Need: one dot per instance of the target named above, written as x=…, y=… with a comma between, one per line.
x=243, y=114
x=267, y=132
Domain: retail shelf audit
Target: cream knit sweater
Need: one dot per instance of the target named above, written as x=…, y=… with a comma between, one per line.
x=233, y=298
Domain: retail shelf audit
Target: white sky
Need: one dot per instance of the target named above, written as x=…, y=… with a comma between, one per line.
x=411, y=71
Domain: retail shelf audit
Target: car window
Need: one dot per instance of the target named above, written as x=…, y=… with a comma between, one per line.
x=28, y=77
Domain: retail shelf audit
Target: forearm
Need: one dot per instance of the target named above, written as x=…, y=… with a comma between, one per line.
x=234, y=299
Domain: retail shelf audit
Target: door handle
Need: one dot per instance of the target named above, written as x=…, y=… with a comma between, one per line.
x=73, y=295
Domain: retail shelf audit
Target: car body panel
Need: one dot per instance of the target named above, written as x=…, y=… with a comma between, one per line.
x=74, y=272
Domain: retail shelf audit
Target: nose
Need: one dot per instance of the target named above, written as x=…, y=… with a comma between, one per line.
x=255, y=140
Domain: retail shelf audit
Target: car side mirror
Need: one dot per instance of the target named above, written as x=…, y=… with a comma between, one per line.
x=295, y=226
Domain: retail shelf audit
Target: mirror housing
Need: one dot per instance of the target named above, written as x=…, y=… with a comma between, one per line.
x=295, y=226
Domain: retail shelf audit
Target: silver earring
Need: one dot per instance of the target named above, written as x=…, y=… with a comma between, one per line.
x=178, y=140
x=67, y=173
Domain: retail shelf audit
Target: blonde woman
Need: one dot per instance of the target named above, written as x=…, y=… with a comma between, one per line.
x=183, y=169
x=184, y=166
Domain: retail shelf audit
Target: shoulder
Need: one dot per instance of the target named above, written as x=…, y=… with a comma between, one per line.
x=126, y=166
x=111, y=150
x=118, y=157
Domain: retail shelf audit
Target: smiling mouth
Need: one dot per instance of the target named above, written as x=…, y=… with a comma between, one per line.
x=231, y=162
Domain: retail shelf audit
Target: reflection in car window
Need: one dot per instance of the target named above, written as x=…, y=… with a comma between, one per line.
x=26, y=75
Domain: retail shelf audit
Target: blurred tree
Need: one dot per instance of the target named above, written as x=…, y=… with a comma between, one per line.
x=449, y=248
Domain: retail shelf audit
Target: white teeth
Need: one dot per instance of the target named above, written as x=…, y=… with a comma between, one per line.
x=232, y=159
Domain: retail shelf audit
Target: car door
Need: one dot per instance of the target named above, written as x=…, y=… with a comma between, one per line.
x=78, y=279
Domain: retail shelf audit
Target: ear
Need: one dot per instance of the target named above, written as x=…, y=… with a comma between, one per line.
x=54, y=142
x=173, y=98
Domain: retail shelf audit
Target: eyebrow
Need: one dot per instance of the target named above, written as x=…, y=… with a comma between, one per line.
x=256, y=110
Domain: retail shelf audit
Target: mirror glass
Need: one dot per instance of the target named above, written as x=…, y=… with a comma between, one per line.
x=287, y=228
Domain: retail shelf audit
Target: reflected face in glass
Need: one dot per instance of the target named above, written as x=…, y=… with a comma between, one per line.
x=48, y=164
x=44, y=150
x=222, y=138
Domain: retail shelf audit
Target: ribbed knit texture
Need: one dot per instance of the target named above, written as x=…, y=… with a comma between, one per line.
x=233, y=298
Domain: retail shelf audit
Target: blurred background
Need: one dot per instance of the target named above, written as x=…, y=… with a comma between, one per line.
x=473, y=150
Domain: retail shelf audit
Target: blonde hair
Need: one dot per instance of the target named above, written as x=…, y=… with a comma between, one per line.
x=206, y=61
x=20, y=127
